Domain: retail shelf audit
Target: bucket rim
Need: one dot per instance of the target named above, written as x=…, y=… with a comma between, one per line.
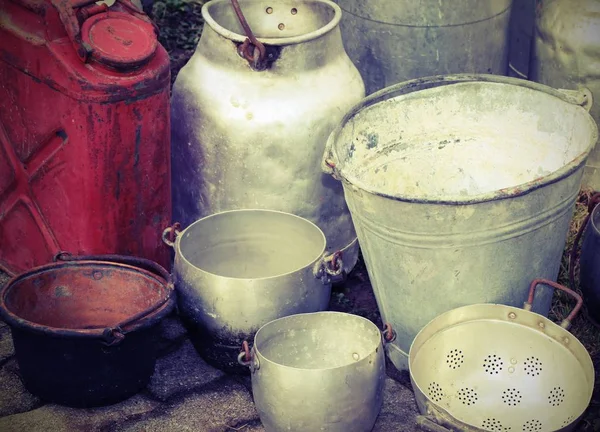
x=187, y=262
x=411, y=86
x=262, y=358
x=281, y=41
x=149, y=320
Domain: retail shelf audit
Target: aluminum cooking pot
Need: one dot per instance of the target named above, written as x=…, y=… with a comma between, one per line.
x=491, y=367
x=235, y=271
x=321, y=371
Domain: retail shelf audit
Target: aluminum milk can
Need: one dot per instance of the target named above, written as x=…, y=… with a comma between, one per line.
x=249, y=129
x=391, y=41
x=566, y=54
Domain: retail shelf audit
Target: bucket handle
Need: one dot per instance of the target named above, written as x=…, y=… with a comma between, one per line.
x=566, y=323
x=582, y=97
x=330, y=268
x=170, y=234
x=592, y=204
x=114, y=335
x=247, y=357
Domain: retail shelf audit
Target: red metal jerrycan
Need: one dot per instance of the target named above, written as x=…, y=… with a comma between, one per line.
x=84, y=132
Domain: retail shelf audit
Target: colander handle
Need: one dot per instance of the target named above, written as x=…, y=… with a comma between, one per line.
x=428, y=425
x=566, y=323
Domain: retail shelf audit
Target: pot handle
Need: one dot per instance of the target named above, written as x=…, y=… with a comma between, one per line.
x=170, y=234
x=247, y=358
x=329, y=159
x=142, y=263
x=425, y=423
x=330, y=268
x=592, y=203
x=566, y=323
x=388, y=334
x=582, y=96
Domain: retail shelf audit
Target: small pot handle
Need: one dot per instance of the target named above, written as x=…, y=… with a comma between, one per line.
x=330, y=268
x=329, y=159
x=170, y=234
x=593, y=202
x=247, y=358
x=388, y=334
x=582, y=96
x=566, y=323
x=425, y=423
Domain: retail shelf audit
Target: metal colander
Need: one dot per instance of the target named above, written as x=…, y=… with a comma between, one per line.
x=502, y=369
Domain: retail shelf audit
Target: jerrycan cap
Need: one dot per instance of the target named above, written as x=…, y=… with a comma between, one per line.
x=119, y=40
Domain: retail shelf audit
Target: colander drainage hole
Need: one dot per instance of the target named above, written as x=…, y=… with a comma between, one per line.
x=493, y=364
x=556, y=397
x=494, y=425
x=467, y=396
x=435, y=392
x=569, y=420
x=511, y=397
x=532, y=426
x=533, y=366
x=455, y=359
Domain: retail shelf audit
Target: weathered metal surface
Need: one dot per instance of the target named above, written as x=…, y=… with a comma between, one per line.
x=84, y=150
x=391, y=41
x=245, y=138
x=461, y=189
x=589, y=261
x=237, y=270
x=318, y=372
x=566, y=54
x=522, y=18
x=490, y=367
x=84, y=328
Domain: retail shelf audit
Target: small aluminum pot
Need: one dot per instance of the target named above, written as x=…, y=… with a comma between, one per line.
x=237, y=270
x=320, y=371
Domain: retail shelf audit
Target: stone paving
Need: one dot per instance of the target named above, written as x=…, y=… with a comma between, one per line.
x=185, y=394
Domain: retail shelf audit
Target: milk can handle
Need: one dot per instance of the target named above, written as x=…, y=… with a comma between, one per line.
x=566, y=323
x=593, y=202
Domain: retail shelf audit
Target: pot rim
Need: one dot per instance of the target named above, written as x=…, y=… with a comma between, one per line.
x=410, y=87
x=15, y=321
x=263, y=358
x=236, y=37
x=311, y=265
x=593, y=217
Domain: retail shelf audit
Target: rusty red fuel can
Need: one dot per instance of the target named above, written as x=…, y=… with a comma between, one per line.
x=84, y=132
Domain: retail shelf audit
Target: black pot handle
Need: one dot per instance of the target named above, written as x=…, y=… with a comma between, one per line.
x=142, y=263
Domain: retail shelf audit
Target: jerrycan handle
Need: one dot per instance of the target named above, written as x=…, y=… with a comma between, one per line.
x=73, y=13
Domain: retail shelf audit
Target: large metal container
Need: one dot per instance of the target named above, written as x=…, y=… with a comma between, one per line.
x=321, y=371
x=566, y=54
x=245, y=138
x=235, y=271
x=461, y=189
x=589, y=263
x=391, y=41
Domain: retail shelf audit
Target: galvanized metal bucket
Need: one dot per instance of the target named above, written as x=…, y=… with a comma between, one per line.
x=391, y=41
x=490, y=367
x=235, y=271
x=461, y=189
x=321, y=371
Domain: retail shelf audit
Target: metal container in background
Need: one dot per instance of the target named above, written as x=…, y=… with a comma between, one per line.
x=522, y=18
x=391, y=41
x=461, y=190
x=251, y=136
x=566, y=54
x=235, y=271
x=321, y=371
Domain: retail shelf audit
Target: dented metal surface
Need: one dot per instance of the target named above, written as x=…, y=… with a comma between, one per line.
x=320, y=371
x=84, y=149
x=391, y=41
x=83, y=327
x=461, y=189
x=246, y=138
x=566, y=54
x=235, y=271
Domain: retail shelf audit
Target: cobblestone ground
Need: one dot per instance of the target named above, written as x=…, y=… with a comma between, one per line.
x=185, y=394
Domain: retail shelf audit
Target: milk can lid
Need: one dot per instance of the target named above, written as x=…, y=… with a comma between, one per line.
x=118, y=39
